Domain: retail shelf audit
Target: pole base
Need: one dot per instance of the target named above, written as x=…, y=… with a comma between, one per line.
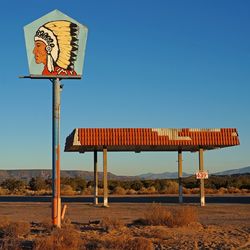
x=56, y=212
x=202, y=202
x=95, y=201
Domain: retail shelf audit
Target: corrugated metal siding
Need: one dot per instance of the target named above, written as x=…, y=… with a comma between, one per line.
x=156, y=137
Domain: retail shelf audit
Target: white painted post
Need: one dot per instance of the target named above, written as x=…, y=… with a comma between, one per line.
x=180, y=175
x=105, y=178
x=95, y=179
x=201, y=168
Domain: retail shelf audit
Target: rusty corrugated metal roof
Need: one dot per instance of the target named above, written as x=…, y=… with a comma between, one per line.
x=150, y=139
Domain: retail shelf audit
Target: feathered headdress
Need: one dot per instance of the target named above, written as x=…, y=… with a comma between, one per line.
x=61, y=39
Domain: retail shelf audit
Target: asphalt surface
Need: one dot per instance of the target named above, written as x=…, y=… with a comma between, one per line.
x=132, y=199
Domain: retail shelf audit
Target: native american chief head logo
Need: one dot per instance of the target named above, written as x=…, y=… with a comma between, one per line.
x=56, y=46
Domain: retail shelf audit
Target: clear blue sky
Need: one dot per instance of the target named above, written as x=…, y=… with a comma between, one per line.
x=148, y=63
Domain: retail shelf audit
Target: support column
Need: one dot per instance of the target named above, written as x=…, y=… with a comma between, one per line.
x=56, y=198
x=180, y=175
x=201, y=168
x=105, y=178
x=95, y=179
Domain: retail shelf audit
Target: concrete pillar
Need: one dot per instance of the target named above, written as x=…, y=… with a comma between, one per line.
x=95, y=179
x=180, y=175
x=105, y=178
x=201, y=168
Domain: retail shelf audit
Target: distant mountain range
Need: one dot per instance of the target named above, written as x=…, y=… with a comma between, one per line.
x=27, y=174
x=174, y=175
x=244, y=170
x=165, y=175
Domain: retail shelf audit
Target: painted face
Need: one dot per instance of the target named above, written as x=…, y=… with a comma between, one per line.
x=40, y=52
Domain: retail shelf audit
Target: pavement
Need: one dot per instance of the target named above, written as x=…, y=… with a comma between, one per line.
x=230, y=199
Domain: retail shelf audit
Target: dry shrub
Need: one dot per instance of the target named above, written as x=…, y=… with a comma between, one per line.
x=195, y=190
x=15, y=229
x=172, y=187
x=29, y=192
x=186, y=190
x=119, y=190
x=17, y=192
x=183, y=216
x=4, y=191
x=43, y=192
x=64, y=238
x=157, y=232
x=67, y=190
x=68, y=237
x=233, y=190
x=4, y=221
x=124, y=243
x=149, y=190
x=245, y=191
x=210, y=191
x=47, y=226
x=131, y=191
x=139, y=243
x=157, y=215
x=222, y=191
x=44, y=243
x=10, y=232
x=88, y=191
x=143, y=190
x=109, y=224
x=92, y=244
x=10, y=243
x=66, y=221
x=100, y=191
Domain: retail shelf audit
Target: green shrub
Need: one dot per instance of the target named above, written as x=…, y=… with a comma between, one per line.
x=13, y=184
x=37, y=183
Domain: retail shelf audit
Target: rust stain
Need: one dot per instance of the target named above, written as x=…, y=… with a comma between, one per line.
x=58, y=171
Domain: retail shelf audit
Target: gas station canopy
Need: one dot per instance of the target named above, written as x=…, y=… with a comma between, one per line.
x=150, y=139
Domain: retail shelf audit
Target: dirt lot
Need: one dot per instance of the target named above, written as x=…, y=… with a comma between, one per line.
x=217, y=227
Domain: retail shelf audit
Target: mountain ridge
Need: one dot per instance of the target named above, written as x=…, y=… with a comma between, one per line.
x=27, y=174
x=243, y=170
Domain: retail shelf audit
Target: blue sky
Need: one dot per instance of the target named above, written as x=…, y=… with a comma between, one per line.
x=148, y=63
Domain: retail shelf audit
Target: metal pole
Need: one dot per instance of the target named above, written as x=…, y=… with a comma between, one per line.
x=95, y=179
x=180, y=175
x=201, y=168
x=105, y=178
x=56, y=199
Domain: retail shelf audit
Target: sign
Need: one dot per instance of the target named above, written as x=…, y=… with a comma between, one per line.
x=55, y=45
x=201, y=175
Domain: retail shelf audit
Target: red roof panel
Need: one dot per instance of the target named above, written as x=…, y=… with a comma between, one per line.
x=150, y=139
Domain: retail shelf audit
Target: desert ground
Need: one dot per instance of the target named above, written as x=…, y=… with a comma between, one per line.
x=122, y=226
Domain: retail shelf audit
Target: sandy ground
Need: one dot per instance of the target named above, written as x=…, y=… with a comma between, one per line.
x=218, y=226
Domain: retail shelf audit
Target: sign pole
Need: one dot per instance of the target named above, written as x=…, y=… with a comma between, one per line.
x=105, y=178
x=55, y=45
x=56, y=202
x=201, y=168
x=180, y=175
x=95, y=179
